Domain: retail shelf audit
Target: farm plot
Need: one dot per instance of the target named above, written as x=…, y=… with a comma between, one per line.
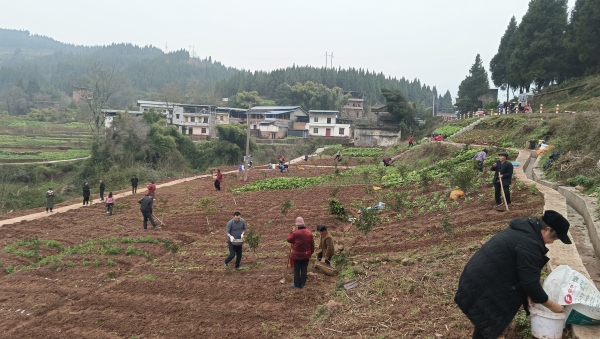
x=85, y=274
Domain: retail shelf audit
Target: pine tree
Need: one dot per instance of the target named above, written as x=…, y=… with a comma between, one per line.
x=499, y=63
x=585, y=20
x=475, y=85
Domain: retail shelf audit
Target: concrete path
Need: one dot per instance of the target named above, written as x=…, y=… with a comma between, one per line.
x=63, y=209
x=42, y=162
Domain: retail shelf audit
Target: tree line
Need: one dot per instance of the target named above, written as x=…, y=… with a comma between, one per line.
x=273, y=84
x=548, y=48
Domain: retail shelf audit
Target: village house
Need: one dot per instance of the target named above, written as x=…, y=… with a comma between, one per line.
x=385, y=131
x=196, y=121
x=354, y=109
x=274, y=122
x=327, y=124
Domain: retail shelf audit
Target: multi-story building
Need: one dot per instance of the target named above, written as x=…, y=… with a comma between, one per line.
x=354, y=109
x=197, y=121
x=327, y=124
x=273, y=122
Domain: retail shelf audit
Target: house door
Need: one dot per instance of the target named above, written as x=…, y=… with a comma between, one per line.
x=328, y=132
x=190, y=130
x=273, y=135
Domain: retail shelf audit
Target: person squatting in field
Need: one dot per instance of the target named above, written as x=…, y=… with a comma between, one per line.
x=326, y=248
x=235, y=229
x=503, y=170
x=146, y=209
x=505, y=273
x=303, y=246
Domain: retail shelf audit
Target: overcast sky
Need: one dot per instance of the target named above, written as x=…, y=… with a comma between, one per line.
x=435, y=41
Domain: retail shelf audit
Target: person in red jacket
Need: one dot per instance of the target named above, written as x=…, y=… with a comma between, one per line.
x=151, y=188
x=303, y=246
x=218, y=180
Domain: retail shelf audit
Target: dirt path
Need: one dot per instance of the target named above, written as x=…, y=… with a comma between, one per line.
x=42, y=162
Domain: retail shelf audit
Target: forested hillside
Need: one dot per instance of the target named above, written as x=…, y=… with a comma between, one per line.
x=34, y=68
x=358, y=80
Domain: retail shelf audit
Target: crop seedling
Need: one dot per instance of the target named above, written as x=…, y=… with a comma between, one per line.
x=334, y=192
x=286, y=206
x=447, y=223
x=96, y=263
x=367, y=220
x=533, y=189
x=110, y=262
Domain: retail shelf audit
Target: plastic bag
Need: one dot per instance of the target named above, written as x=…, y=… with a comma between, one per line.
x=579, y=295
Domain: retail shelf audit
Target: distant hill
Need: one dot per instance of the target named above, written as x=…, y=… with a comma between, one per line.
x=43, y=67
x=36, y=68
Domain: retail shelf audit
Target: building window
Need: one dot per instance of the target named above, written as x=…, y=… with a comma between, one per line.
x=205, y=120
x=328, y=120
x=221, y=117
x=186, y=119
x=204, y=131
x=341, y=131
x=357, y=114
x=177, y=116
x=316, y=130
x=316, y=119
x=193, y=119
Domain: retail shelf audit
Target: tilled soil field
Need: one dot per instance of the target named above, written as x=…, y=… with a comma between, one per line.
x=110, y=278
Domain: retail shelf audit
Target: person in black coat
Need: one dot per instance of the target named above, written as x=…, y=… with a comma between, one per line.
x=146, y=209
x=505, y=272
x=503, y=170
x=134, y=184
x=102, y=187
x=86, y=193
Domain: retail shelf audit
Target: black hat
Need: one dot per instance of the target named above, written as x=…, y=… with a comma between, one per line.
x=503, y=154
x=485, y=150
x=559, y=224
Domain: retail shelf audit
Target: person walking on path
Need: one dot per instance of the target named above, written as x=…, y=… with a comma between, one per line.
x=235, y=229
x=86, y=193
x=110, y=202
x=134, y=183
x=151, y=188
x=102, y=190
x=411, y=141
x=146, y=209
x=503, y=171
x=480, y=158
x=218, y=180
x=326, y=248
x=505, y=273
x=49, y=200
x=303, y=246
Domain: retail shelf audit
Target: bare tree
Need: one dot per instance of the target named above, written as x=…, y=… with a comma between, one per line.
x=172, y=96
x=100, y=83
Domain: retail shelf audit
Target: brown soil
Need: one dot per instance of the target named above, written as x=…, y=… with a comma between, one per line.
x=190, y=294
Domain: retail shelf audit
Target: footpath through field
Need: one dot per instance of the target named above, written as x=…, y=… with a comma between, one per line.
x=63, y=209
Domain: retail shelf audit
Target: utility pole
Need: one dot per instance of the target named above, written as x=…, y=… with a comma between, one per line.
x=433, y=107
x=331, y=60
x=247, y=143
x=326, y=55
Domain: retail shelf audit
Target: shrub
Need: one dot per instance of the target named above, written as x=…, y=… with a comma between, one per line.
x=286, y=206
x=337, y=209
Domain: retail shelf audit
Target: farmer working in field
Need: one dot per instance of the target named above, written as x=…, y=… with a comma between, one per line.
x=338, y=156
x=480, y=158
x=505, y=273
x=235, y=229
x=146, y=209
x=303, y=246
x=151, y=188
x=326, y=248
x=503, y=171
